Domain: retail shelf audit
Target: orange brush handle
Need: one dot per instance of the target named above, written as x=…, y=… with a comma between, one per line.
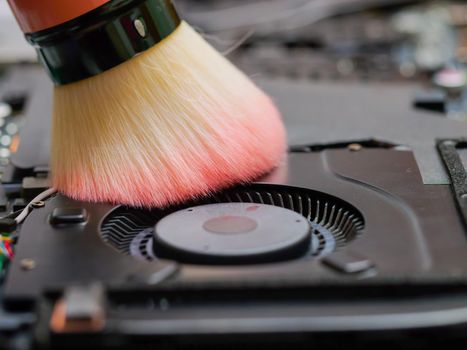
x=36, y=15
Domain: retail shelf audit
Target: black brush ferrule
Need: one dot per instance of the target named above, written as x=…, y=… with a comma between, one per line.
x=103, y=38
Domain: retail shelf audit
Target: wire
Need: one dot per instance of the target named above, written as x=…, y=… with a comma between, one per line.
x=239, y=42
x=4, y=251
x=8, y=248
x=225, y=46
x=40, y=197
x=12, y=215
x=248, y=14
x=279, y=16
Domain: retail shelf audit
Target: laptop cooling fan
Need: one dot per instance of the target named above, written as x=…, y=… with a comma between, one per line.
x=332, y=223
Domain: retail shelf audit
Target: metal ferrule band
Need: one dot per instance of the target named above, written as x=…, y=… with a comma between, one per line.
x=103, y=38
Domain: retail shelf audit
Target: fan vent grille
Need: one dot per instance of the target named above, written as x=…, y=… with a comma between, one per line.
x=334, y=221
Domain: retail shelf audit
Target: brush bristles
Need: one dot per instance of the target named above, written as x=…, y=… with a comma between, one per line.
x=173, y=123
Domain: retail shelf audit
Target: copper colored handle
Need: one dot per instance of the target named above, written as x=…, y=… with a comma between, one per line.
x=36, y=15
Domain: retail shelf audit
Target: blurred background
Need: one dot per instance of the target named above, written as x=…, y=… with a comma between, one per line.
x=307, y=54
x=365, y=40
x=376, y=58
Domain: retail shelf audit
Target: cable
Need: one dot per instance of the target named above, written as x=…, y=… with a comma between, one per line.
x=40, y=197
x=239, y=42
x=4, y=251
x=249, y=14
x=7, y=246
x=279, y=16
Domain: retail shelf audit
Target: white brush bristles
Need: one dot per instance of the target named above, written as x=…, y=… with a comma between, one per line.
x=175, y=122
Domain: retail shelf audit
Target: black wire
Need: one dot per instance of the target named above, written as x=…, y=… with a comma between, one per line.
x=12, y=215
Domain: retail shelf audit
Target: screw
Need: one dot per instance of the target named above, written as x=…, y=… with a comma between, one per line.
x=38, y=204
x=354, y=147
x=140, y=27
x=27, y=264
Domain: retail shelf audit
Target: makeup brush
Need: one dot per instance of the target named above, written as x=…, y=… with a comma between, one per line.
x=146, y=112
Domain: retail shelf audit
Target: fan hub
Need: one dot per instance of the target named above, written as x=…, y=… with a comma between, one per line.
x=229, y=233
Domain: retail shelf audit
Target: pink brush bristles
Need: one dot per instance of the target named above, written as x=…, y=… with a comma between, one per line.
x=179, y=122
x=241, y=154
